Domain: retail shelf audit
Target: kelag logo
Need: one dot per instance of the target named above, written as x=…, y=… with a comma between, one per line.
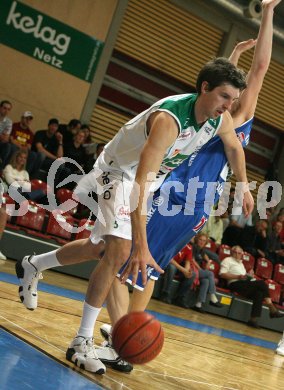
x=48, y=40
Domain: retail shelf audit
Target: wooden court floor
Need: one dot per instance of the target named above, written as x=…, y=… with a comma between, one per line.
x=191, y=359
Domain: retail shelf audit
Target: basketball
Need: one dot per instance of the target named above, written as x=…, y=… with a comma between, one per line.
x=138, y=337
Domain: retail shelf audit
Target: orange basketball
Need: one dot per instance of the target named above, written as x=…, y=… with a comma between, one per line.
x=138, y=337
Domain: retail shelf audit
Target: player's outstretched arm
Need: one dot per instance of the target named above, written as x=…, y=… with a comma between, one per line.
x=163, y=133
x=260, y=63
x=240, y=48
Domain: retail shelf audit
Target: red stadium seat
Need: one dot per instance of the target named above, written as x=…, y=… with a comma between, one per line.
x=64, y=195
x=211, y=245
x=37, y=184
x=34, y=217
x=279, y=274
x=224, y=251
x=60, y=225
x=263, y=268
x=89, y=225
x=248, y=261
x=274, y=290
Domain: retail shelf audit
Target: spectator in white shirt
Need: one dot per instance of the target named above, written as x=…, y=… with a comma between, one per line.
x=243, y=283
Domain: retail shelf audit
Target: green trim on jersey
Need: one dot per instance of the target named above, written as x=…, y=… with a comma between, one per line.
x=183, y=110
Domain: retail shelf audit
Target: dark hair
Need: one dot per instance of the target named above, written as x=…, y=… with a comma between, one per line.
x=100, y=145
x=5, y=102
x=53, y=121
x=84, y=127
x=74, y=123
x=220, y=71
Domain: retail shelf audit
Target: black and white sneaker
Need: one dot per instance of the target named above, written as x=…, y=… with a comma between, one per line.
x=108, y=355
x=28, y=276
x=82, y=353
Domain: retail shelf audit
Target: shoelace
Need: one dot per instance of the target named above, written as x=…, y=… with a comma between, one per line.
x=89, y=350
x=35, y=279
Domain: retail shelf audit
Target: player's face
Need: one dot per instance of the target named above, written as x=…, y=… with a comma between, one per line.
x=219, y=100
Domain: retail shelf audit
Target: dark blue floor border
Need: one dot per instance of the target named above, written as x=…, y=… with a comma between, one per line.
x=28, y=368
x=8, y=278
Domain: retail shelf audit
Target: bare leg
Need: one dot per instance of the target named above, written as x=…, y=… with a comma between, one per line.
x=140, y=299
x=74, y=252
x=117, y=251
x=79, y=251
x=117, y=301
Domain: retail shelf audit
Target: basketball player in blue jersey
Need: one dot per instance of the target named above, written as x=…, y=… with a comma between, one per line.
x=116, y=300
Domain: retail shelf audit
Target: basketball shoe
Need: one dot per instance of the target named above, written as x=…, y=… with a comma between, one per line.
x=108, y=355
x=28, y=276
x=280, y=347
x=83, y=354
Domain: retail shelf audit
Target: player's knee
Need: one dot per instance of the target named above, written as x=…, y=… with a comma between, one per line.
x=117, y=252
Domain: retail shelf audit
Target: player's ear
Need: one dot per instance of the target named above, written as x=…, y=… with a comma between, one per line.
x=205, y=87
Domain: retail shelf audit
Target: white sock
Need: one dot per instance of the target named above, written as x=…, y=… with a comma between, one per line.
x=45, y=261
x=199, y=304
x=89, y=317
x=213, y=298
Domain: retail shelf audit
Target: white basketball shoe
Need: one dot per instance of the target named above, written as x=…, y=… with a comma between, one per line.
x=83, y=354
x=28, y=276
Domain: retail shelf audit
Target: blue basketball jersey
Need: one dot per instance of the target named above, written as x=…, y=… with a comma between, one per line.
x=176, y=215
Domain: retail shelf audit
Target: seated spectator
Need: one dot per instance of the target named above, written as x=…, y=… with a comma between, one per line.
x=241, y=282
x=254, y=238
x=16, y=175
x=76, y=151
x=205, y=276
x=180, y=265
x=21, y=137
x=275, y=251
x=3, y=220
x=5, y=131
x=214, y=229
x=68, y=131
x=200, y=253
x=88, y=144
x=49, y=143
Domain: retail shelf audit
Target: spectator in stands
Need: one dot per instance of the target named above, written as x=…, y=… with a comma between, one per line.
x=234, y=272
x=200, y=252
x=205, y=276
x=68, y=131
x=49, y=143
x=76, y=151
x=214, y=229
x=3, y=218
x=17, y=177
x=275, y=251
x=280, y=218
x=5, y=131
x=22, y=137
x=254, y=238
x=180, y=265
x=88, y=138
